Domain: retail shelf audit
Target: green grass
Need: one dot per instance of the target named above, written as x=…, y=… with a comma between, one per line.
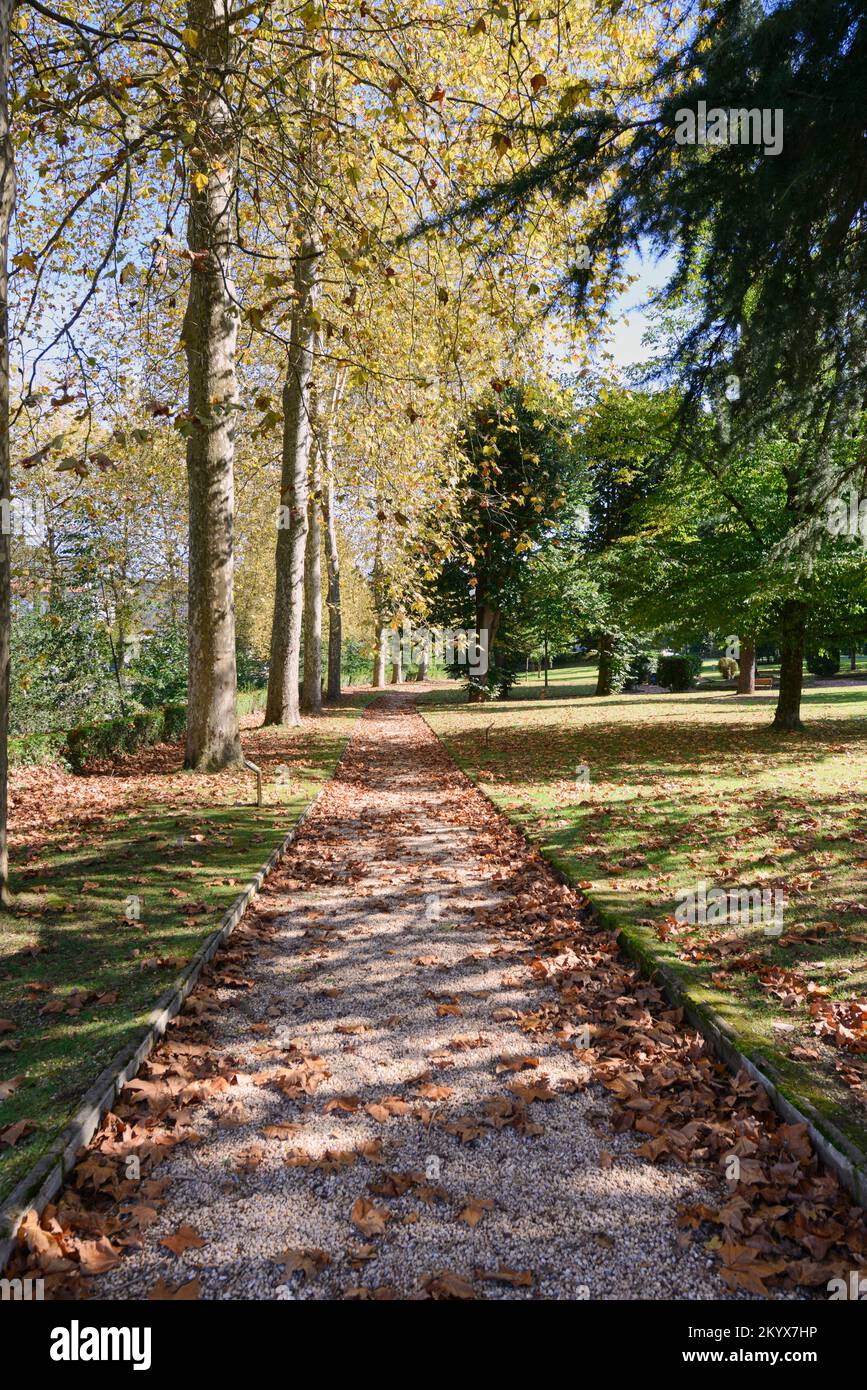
x=185, y=846
x=692, y=787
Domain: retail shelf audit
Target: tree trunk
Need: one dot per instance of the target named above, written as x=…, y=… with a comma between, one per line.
x=311, y=692
x=747, y=668
x=7, y=203
x=487, y=620
x=210, y=336
x=546, y=665
x=397, y=666
x=606, y=665
x=282, y=706
x=332, y=554
x=421, y=673
x=853, y=660
x=379, y=659
x=335, y=616
x=788, y=712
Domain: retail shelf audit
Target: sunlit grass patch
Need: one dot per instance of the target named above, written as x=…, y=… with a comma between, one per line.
x=697, y=788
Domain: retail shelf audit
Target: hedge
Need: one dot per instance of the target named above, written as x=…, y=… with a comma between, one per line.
x=103, y=740
x=678, y=672
x=29, y=749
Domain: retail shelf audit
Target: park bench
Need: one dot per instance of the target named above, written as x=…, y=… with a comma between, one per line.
x=764, y=682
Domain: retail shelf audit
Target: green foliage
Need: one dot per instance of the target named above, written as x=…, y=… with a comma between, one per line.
x=355, y=662
x=89, y=742
x=824, y=661
x=679, y=672
x=36, y=748
x=728, y=667
x=159, y=674
x=252, y=669
x=519, y=456
x=633, y=662
x=62, y=665
x=106, y=739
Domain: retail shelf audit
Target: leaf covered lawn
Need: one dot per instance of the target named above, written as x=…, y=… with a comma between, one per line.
x=81, y=963
x=696, y=787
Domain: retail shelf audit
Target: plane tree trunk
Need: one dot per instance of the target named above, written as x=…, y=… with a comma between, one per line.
x=282, y=703
x=311, y=690
x=332, y=553
x=605, y=678
x=210, y=337
x=335, y=616
x=7, y=203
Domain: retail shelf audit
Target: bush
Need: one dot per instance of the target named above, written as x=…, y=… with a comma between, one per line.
x=824, y=661
x=30, y=750
x=174, y=722
x=355, y=662
x=252, y=669
x=679, y=672
x=640, y=666
x=88, y=742
x=728, y=667
x=159, y=673
x=497, y=681
x=62, y=665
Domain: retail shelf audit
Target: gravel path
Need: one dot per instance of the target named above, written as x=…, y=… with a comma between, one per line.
x=420, y=1069
x=388, y=978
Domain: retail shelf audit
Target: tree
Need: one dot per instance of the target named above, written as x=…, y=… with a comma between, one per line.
x=210, y=340
x=557, y=600
x=624, y=448
x=772, y=237
x=518, y=454
x=7, y=202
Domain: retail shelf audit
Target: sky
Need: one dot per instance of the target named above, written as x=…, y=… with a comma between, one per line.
x=632, y=318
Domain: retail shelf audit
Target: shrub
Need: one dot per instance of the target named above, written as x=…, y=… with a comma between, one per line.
x=174, y=721
x=679, y=672
x=640, y=667
x=159, y=673
x=252, y=669
x=28, y=750
x=824, y=661
x=728, y=667
x=87, y=742
x=355, y=662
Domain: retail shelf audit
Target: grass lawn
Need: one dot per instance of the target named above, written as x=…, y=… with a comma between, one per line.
x=81, y=961
x=696, y=787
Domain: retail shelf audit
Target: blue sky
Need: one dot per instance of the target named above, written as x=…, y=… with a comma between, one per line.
x=632, y=320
